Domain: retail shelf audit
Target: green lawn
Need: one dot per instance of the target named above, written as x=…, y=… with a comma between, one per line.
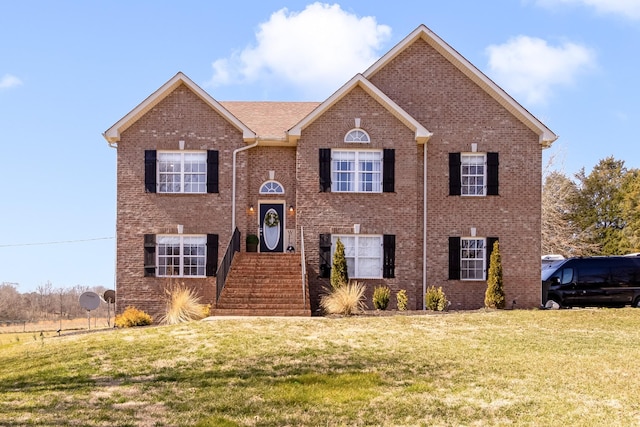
x=565, y=367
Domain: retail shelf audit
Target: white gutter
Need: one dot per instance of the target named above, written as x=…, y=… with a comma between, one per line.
x=112, y=144
x=424, y=232
x=233, y=189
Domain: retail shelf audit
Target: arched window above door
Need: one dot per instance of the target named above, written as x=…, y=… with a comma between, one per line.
x=271, y=187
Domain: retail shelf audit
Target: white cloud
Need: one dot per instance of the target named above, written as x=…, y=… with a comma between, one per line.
x=530, y=67
x=315, y=50
x=627, y=8
x=8, y=81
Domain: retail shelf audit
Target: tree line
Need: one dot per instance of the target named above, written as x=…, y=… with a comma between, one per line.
x=592, y=214
x=46, y=303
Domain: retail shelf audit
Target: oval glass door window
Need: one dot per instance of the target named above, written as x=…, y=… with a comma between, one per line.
x=271, y=229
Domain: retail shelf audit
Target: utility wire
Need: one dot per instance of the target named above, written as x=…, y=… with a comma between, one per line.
x=56, y=243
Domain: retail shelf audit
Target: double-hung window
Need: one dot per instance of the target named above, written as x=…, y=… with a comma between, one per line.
x=356, y=171
x=181, y=256
x=363, y=253
x=472, y=259
x=182, y=172
x=473, y=174
x=469, y=257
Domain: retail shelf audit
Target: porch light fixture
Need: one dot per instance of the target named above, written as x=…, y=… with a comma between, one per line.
x=251, y=208
x=290, y=208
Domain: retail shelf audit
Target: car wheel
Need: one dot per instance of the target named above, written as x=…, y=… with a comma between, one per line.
x=636, y=303
x=552, y=304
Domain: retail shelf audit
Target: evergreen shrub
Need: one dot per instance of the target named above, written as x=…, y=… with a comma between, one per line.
x=381, y=296
x=494, y=295
x=132, y=317
x=402, y=300
x=435, y=299
x=339, y=273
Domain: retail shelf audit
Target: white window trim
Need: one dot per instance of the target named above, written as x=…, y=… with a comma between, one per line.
x=271, y=181
x=356, y=172
x=482, y=259
x=356, y=275
x=181, y=238
x=363, y=140
x=182, y=172
x=462, y=174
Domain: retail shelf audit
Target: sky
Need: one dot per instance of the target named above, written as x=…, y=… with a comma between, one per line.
x=69, y=70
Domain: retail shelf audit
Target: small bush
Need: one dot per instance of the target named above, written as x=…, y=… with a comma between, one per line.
x=183, y=305
x=381, y=296
x=132, y=317
x=435, y=299
x=206, y=310
x=402, y=300
x=346, y=299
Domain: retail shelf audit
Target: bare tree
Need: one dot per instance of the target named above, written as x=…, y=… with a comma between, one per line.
x=10, y=302
x=560, y=235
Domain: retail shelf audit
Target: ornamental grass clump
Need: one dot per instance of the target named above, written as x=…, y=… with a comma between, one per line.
x=132, y=317
x=347, y=299
x=182, y=305
x=381, y=296
x=435, y=299
x=402, y=300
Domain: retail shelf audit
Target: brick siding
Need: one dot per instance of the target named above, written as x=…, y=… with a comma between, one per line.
x=431, y=90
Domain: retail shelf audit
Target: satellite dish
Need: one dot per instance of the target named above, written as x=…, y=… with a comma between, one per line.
x=89, y=301
x=109, y=296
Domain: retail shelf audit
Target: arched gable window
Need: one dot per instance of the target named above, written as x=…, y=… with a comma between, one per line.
x=357, y=135
x=271, y=187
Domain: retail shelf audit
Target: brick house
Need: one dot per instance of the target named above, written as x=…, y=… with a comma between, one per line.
x=418, y=165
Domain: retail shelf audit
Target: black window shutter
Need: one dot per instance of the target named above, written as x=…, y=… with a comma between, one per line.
x=454, y=258
x=150, y=171
x=149, y=255
x=388, y=170
x=492, y=174
x=489, y=250
x=455, y=183
x=212, y=171
x=212, y=254
x=389, y=257
x=325, y=170
x=325, y=255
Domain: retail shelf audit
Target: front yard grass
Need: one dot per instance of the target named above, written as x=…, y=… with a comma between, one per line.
x=542, y=368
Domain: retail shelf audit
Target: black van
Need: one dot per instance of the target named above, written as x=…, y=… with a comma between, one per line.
x=612, y=281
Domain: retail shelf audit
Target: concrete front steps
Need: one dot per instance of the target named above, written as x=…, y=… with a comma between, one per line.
x=264, y=284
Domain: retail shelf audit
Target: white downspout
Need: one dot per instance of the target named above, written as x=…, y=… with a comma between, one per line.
x=233, y=188
x=424, y=231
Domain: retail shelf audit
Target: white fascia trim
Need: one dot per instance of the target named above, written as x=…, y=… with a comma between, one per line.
x=546, y=136
x=112, y=135
x=422, y=135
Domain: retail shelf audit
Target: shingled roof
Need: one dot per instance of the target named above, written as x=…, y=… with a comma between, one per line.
x=269, y=120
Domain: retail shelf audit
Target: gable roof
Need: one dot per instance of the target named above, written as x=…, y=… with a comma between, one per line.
x=547, y=137
x=270, y=120
x=422, y=135
x=112, y=135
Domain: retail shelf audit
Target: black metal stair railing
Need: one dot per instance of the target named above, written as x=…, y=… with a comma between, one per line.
x=225, y=265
